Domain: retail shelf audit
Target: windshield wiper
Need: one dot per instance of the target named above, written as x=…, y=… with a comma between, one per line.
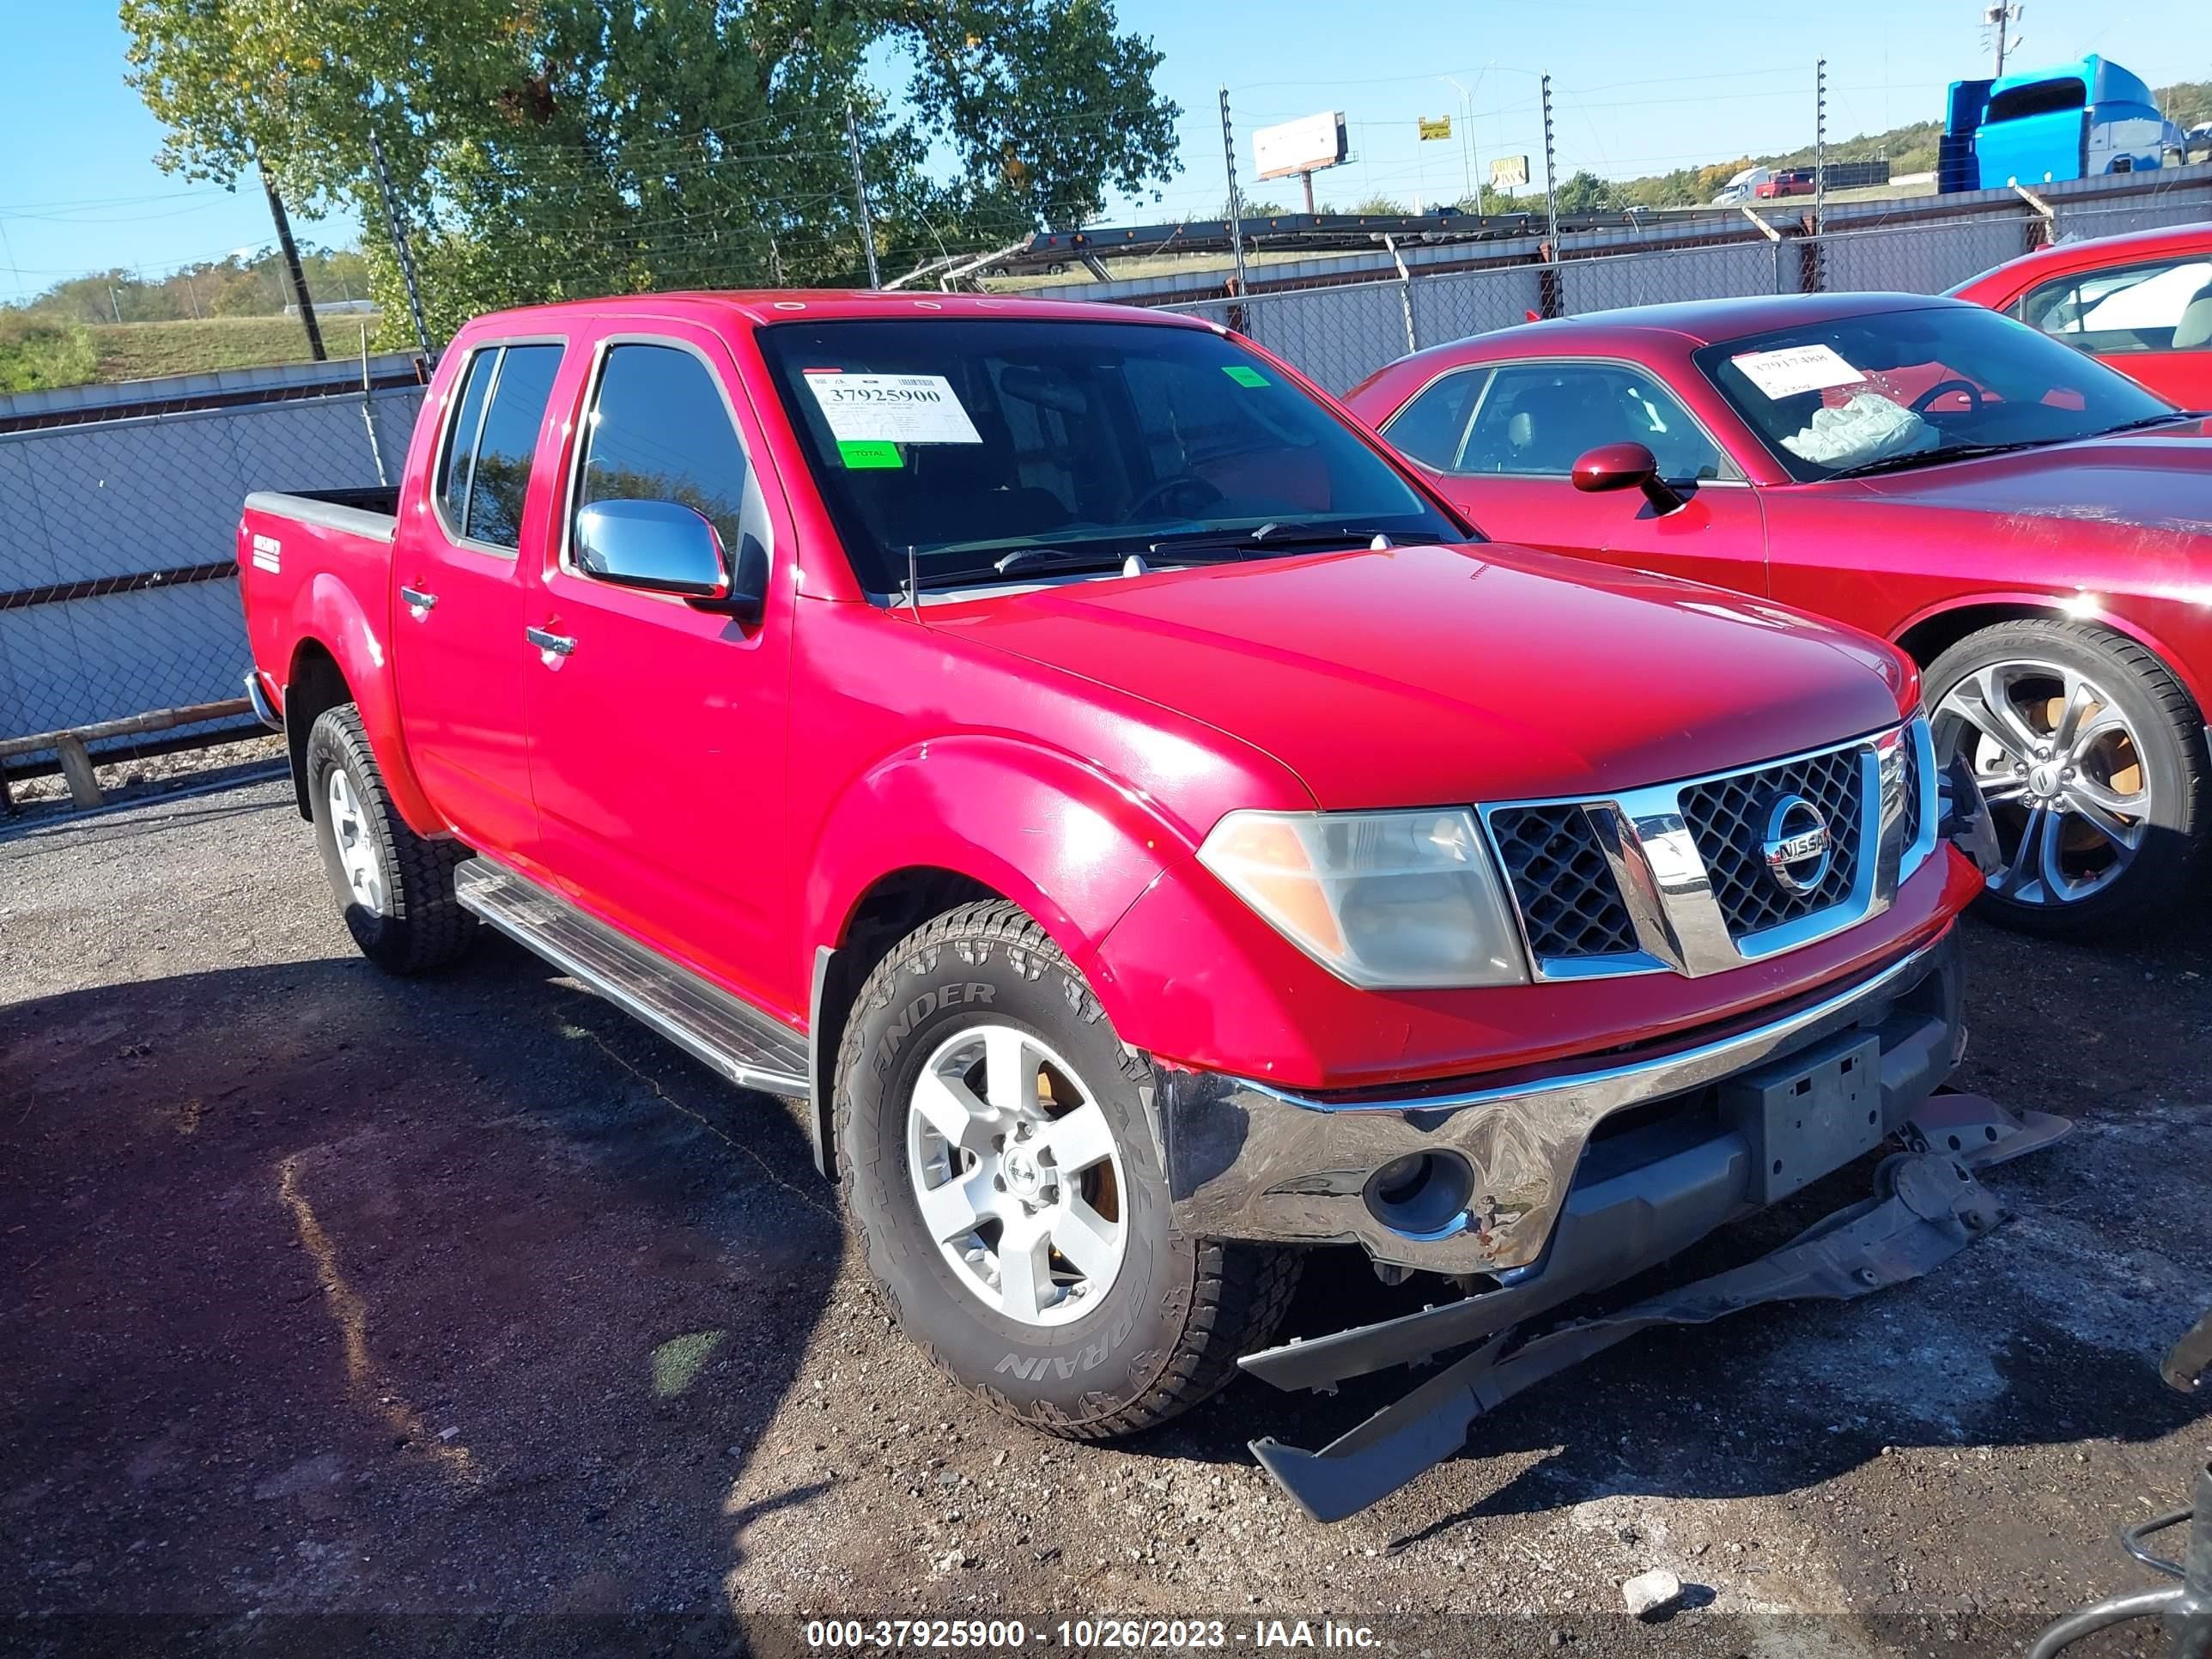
x=2166, y=419
x=1941, y=452
x=1271, y=538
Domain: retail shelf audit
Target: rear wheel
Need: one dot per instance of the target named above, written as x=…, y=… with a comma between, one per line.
x=999, y=1163
x=395, y=887
x=2093, y=759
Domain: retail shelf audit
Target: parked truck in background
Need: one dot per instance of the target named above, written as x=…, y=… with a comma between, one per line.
x=1140, y=820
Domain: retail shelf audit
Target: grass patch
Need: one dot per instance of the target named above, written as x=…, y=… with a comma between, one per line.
x=147, y=351
x=39, y=352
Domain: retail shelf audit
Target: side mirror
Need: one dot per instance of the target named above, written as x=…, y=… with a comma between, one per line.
x=1625, y=466
x=665, y=547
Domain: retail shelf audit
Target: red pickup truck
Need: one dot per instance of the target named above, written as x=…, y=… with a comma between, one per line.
x=1128, y=805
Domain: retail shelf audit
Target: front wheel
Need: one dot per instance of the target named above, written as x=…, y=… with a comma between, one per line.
x=395, y=887
x=999, y=1163
x=2093, y=759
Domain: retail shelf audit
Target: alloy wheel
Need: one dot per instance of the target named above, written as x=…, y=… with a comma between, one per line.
x=350, y=829
x=2061, y=769
x=1017, y=1175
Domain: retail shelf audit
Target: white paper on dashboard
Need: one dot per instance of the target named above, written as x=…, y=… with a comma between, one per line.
x=900, y=408
x=1795, y=369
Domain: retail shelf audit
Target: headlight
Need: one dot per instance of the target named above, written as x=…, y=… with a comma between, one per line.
x=1390, y=900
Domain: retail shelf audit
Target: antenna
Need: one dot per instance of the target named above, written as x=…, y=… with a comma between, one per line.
x=913, y=583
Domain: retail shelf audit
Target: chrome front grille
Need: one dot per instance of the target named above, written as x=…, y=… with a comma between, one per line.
x=1569, y=903
x=1728, y=817
x=1675, y=876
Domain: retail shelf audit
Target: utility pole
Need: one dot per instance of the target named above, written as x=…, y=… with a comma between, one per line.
x=395, y=222
x=297, y=277
x=1236, y=201
x=1551, y=182
x=861, y=197
x=1466, y=142
x=1820, y=174
x=2000, y=17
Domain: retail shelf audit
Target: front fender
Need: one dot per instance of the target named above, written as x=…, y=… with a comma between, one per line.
x=324, y=612
x=1047, y=830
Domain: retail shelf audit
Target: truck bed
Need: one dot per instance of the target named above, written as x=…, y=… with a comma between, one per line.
x=372, y=511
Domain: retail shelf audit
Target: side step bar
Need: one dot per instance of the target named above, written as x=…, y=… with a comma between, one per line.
x=751, y=1048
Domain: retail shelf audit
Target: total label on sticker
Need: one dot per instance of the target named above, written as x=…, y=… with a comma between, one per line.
x=899, y=409
x=1795, y=369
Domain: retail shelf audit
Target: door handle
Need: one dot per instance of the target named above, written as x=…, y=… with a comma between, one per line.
x=559, y=645
x=418, y=600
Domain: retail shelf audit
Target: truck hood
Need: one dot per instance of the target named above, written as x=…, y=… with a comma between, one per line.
x=1417, y=675
x=2159, y=480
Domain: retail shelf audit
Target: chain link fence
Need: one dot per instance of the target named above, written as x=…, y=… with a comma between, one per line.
x=119, y=595
x=1341, y=331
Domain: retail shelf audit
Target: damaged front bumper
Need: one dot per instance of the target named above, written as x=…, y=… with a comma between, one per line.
x=1648, y=1151
x=1927, y=1207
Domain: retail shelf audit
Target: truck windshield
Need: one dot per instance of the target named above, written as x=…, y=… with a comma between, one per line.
x=1892, y=390
x=971, y=439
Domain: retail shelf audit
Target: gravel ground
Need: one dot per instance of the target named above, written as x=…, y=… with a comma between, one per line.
x=342, y=1314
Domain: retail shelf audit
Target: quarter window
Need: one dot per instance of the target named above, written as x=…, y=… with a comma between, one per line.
x=459, y=459
x=1433, y=429
x=660, y=432
x=1539, y=418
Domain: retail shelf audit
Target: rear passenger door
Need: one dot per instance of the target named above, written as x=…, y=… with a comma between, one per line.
x=658, y=729
x=458, y=609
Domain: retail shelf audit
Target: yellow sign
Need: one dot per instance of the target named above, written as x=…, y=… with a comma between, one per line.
x=1434, y=126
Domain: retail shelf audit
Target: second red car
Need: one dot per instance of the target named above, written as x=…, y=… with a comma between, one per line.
x=2033, y=527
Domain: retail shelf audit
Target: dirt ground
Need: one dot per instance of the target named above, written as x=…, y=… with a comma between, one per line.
x=344, y=1314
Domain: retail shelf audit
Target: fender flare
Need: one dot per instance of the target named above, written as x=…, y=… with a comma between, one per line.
x=326, y=613
x=2056, y=606
x=1045, y=829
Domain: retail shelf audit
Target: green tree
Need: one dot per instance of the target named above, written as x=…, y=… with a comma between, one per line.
x=570, y=147
x=1585, y=192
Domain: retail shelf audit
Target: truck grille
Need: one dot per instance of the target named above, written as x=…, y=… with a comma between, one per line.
x=1569, y=901
x=1727, y=817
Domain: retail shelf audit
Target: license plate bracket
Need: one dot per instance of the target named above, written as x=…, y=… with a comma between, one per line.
x=1809, y=1113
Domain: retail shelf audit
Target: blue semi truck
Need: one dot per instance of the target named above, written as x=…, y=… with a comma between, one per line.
x=2076, y=121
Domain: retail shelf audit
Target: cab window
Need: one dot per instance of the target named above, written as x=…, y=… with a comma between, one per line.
x=658, y=431
x=483, y=466
x=2166, y=307
x=1538, y=419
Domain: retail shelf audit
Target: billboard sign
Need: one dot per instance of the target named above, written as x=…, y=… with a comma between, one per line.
x=1305, y=145
x=1434, y=126
x=1508, y=172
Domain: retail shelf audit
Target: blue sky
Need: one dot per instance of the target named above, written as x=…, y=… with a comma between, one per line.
x=1639, y=87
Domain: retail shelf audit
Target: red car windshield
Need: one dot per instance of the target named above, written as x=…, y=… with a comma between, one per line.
x=989, y=445
x=1895, y=389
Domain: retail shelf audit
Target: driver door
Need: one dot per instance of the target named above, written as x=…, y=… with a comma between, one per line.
x=1502, y=440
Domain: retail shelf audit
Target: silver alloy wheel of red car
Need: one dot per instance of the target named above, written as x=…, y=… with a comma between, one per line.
x=2062, y=770
x=1017, y=1176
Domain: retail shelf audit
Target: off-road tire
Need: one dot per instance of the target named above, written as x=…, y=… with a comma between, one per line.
x=1166, y=1333
x=2173, y=863
x=423, y=924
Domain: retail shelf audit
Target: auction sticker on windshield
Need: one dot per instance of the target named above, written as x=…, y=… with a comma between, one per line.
x=1795, y=369
x=899, y=409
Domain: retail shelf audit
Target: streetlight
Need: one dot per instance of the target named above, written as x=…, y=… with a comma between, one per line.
x=1467, y=132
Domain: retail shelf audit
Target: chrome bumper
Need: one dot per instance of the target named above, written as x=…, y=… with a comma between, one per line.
x=1246, y=1160
x=257, y=695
